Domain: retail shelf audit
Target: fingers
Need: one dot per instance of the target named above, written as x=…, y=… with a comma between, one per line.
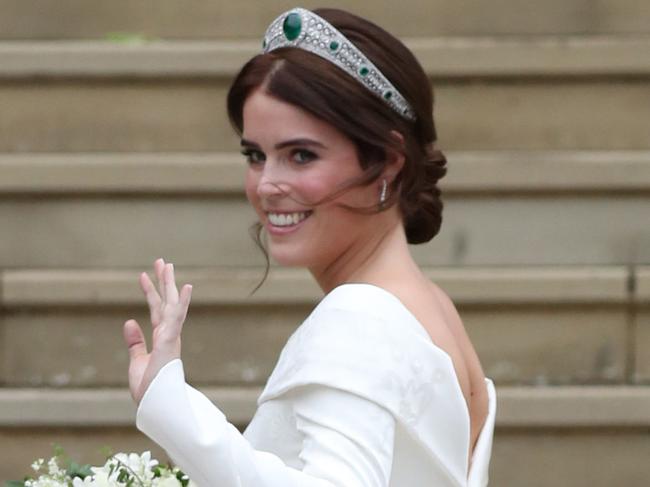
x=185, y=298
x=174, y=315
x=168, y=306
x=134, y=339
x=153, y=298
x=159, y=268
x=171, y=291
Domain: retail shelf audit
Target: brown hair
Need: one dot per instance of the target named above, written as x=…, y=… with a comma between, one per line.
x=319, y=87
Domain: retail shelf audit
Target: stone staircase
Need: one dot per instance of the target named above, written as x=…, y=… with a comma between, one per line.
x=115, y=150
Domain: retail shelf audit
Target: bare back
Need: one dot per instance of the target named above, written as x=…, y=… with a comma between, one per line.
x=436, y=312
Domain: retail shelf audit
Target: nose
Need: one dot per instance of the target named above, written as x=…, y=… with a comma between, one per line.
x=272, y=181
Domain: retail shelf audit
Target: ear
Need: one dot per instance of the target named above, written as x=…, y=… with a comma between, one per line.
x=394, y=159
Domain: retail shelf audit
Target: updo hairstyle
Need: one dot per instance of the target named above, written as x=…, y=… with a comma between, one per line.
x=319, y=87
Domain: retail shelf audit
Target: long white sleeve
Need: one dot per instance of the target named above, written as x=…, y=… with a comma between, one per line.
x=347, y=440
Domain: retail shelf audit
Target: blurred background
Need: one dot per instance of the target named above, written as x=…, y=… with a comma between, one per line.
x=115, y=150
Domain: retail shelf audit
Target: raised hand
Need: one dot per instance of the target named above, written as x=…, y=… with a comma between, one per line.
x=168, y=309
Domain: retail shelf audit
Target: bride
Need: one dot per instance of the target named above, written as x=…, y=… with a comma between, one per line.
x=380, y=385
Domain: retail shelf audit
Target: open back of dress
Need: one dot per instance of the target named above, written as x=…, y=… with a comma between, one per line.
x=362, y=340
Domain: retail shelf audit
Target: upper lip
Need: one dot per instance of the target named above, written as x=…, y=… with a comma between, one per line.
x=286, y=211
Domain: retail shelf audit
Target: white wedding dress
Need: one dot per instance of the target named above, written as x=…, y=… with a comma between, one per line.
x=360, y=397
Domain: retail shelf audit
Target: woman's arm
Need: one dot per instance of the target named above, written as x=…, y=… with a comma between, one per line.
x=168, y=310
x=347, y=441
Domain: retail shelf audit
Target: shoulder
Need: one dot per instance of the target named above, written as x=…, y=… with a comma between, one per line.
x=358, y=321
x=351, y=321
x=363, y=304
x=359, y=340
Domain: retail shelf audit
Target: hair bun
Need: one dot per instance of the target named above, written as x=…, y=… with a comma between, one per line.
x=423, y=212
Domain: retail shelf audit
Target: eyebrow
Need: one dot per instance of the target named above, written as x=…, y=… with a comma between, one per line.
x=286, y=143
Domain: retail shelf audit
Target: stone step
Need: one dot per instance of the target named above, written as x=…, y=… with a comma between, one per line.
x=169, y=96
x=564, y=325
x=519, y=457
x=572, y=429
x=502, y=208
x=81, y=231
x=518, y=407
x=223, y=173
x=54, y=19
x=442, y=58
x=223, y=286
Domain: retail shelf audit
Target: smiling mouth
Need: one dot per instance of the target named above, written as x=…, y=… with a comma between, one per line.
x=287, y=219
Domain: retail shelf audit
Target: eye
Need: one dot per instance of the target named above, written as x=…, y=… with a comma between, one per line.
x=303, y=156
x=253, y=156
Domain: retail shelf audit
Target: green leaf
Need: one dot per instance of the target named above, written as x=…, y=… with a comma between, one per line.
x=106, y=451
x=182, y=478
x=123, y=475
x=14, y=483
x=81, y=471
x=59, y=452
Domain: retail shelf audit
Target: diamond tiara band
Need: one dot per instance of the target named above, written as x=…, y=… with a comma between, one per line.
x=301, y=28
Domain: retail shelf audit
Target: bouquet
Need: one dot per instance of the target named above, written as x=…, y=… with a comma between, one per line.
x=120, y=470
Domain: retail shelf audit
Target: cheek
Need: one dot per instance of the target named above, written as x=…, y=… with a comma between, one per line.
x=313, y=189
x=250, y=186
x=326, y=180
x=360, y=197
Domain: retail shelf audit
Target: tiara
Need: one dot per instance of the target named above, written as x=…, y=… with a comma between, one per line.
x=301, y=28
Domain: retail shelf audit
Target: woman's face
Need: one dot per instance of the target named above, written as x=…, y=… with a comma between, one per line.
x=296, y=159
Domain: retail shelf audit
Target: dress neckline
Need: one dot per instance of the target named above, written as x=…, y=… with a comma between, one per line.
x=419, y=327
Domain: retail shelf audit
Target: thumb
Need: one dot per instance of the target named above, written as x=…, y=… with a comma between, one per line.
x=134, y=339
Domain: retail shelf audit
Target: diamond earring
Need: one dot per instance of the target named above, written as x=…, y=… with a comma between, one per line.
x=382, y=196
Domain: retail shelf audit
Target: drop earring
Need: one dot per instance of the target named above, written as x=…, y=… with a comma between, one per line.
x=382, y=196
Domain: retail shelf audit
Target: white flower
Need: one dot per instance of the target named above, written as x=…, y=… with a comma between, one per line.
x=139, y=465
x=53, y=467
x=100, y=479
x=134, y=469
x=77, y=482
x=167, y=482
x=44, y=481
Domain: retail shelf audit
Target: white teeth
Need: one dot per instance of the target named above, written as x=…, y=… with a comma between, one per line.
x=286, y=219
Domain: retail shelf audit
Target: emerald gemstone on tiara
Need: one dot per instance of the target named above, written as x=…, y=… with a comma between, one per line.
x=299, y=28
x=292, y=26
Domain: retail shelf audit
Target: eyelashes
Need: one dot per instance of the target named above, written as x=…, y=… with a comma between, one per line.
x=303, y=156
x=253, y=156
x=299, y=156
